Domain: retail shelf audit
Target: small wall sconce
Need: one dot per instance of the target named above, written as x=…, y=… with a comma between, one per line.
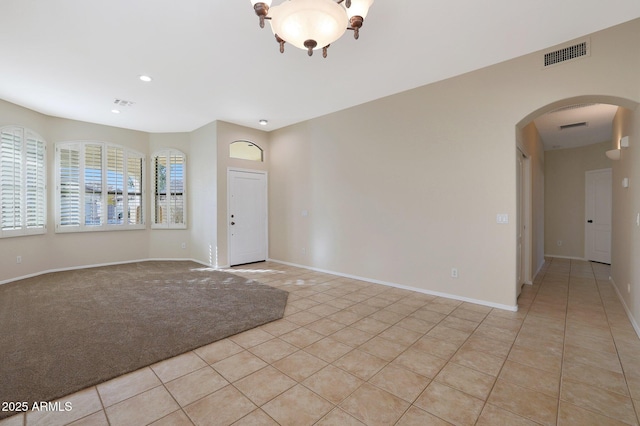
x=613, y=154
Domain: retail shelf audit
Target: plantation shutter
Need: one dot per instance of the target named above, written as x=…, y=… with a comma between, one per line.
x=93, y=185
x=134, y=189
x=10, y=179
x=176, y=176
x=23, y=176
x=169, y=189
x=69, y=175
x=115, y=185
x=35, y=182
x=160, y=192
x=100, y=187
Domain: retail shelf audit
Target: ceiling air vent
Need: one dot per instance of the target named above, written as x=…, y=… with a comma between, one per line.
x=122, y=102
x=573, y=125
x=566, y=54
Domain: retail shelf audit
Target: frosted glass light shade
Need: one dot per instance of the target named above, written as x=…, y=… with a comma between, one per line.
x=359, y=8
x=613, y=154
x=297, y=21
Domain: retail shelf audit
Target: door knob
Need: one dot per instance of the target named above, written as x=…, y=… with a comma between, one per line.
x=590, y=221
x=233, y=223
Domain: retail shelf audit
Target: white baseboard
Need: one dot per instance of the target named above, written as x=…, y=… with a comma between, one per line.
x=355, y=277
x=635, y=325
x=539, y=269
x=565, y=257
x=72, y=268
x=404, y=287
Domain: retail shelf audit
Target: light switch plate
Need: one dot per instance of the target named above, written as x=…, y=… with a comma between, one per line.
x=624, y=142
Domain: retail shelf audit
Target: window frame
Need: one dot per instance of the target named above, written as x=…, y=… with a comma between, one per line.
x=27, y=173
x=241, y=155
x=102, y=181
x=169, y=224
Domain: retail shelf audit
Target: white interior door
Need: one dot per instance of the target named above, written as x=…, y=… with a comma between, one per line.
x=247, y=216
x=598, y=215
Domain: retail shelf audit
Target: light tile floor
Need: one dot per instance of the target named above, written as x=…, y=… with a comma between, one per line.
x=349, y=352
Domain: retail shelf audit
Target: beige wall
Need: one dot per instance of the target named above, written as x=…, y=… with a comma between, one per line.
x=404, y=188
x=625, y=256
x=564, y=213
x=226, y=134
x=202, y=196
x=53, y=251
x=530, y=143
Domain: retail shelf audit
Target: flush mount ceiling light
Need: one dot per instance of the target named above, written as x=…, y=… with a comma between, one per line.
x=145, y=78
x=263, y=122
x=312, y=24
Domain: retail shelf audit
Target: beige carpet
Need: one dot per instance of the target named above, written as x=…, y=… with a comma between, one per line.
x=64, y=331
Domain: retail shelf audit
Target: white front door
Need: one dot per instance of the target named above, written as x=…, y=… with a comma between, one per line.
x=597, y=234
x=247, y=216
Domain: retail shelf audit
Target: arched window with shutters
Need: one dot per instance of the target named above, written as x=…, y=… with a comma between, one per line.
x=23, y=182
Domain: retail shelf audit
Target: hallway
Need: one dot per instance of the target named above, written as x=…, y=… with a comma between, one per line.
x=576, y=330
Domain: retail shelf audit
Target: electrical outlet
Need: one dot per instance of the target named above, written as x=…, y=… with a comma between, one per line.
x=454, y=272
x=184, y=246
x=629, y=288
x=559, y=243
x=304, y=250
x=19, y=260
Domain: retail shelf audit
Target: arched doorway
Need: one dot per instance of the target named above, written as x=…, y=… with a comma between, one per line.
x=531, y=194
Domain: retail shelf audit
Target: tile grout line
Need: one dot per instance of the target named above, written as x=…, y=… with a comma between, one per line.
x=486, y=402
x=573, y=282
x=411, y=403
x=564, y=340
x=624, y=373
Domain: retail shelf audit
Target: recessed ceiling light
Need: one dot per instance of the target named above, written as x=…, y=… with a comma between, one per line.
x=145, y=78
x=263, y=122
x=115, y=111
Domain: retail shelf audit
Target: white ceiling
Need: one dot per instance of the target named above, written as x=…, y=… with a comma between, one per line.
x=211, y=61
x=598, y=128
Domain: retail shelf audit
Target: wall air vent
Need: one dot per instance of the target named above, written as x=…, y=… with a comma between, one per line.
x=573, y=125
x=566, y=54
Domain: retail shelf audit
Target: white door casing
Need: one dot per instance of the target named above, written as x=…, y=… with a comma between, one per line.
x=598, y=206
x=247, y=216
x=519, y=222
